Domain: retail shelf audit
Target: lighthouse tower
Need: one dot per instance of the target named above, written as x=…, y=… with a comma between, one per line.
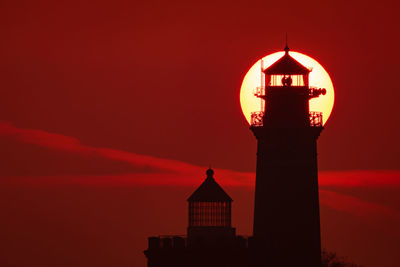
x=286, y=216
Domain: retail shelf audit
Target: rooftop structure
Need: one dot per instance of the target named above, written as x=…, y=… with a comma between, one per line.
x=210, y=241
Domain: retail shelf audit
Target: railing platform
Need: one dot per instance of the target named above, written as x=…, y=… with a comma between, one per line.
x=314, y=117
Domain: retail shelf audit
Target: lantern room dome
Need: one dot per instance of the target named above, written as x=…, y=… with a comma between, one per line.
x=209, y=191
x=286, y=65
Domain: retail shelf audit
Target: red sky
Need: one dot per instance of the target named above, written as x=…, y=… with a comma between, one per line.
x=111, y=111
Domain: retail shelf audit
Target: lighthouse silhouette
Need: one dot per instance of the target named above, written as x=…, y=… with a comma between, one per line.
x=211, y=241
x=286, y=227
x=286, y=230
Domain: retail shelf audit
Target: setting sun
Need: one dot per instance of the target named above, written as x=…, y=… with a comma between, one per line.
x=319, y=78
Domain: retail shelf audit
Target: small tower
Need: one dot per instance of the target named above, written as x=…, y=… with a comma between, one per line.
x=286, y=211
x=210, y=215
x=210, y=240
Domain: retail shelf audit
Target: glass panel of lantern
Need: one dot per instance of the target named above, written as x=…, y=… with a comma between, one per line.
x=287, y=80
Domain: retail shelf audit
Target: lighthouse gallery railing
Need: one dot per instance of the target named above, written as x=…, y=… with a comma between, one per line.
x=257, y=119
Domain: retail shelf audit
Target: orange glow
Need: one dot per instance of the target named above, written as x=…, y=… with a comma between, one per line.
x=319, y=77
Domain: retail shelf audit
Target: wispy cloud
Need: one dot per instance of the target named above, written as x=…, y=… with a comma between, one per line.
x=356, y=206
x=182, y=170
x=361, y=178
x=163, y=171
x=166, y=172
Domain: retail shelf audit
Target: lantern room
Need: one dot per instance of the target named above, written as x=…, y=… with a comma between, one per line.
x=285, y=95
x=209, y=205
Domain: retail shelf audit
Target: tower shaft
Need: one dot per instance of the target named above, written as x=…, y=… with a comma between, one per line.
x=286, y=216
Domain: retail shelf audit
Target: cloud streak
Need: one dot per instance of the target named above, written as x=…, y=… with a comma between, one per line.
x=166, y=172
x=69, y=144
x=181, y=170
x=356, y=206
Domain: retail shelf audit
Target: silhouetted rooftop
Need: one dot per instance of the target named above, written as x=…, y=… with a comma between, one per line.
x=286, y=65
x=209, y=190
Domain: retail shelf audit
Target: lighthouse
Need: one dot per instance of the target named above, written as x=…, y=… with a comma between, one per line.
x=210, y=241
x=286, y=228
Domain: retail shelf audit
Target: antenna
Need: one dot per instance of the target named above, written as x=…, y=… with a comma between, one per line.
x=286, y=47
x=262, y=70
x=262, y=91
x=286, y=39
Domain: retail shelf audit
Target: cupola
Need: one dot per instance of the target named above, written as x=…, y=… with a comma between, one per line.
x=209, y=205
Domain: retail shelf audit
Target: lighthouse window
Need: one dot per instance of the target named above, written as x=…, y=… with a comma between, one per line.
x=214, y=213
x=286, y=80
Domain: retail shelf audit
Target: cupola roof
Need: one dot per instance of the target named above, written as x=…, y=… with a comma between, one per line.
x=286, y=65
x=209, y=191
